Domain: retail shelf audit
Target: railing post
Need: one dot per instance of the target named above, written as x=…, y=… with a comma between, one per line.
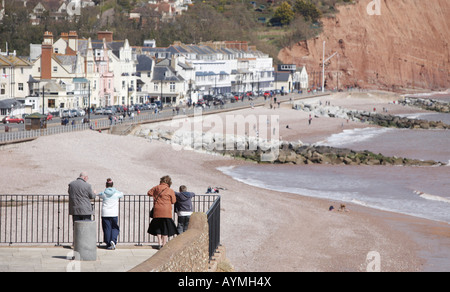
x=57, y=224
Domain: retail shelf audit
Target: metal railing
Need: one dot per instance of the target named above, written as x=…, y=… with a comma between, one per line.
x=213, y=215
x=45, y=219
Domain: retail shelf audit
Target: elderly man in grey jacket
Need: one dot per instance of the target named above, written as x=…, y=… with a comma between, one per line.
x=80, y=195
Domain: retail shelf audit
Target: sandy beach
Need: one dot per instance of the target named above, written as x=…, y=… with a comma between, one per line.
x=261, y=230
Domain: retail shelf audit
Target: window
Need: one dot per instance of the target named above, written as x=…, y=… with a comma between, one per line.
x=51, y=103
x=20, y=85
x=55, y=69
x=172, y=86
x=155, y=86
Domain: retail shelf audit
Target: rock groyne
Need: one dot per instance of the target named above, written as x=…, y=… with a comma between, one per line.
x=383, y=120
x=276, y=152
x=427, y=104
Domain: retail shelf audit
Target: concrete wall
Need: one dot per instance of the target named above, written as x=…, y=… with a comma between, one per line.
x=187, y=252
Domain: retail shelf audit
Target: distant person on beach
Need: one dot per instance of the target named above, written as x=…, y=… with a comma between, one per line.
x=80, y=196
x=110, y=214
x=183, y=207
x=162, y=225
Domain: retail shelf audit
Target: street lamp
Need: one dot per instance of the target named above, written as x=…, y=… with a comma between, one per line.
x=43, y=99
x=323, y=66
x=89, y=100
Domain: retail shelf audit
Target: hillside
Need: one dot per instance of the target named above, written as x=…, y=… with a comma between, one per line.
x=406, y=47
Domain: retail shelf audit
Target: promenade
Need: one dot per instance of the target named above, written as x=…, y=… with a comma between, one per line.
x=59, y=259
x=50, y=258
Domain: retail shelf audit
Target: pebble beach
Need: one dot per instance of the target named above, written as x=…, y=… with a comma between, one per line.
x=262, y=230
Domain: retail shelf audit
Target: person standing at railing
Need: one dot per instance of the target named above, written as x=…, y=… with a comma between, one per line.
x=110, y=214
x=80, y=196
x=162, y=225
x=183, y=207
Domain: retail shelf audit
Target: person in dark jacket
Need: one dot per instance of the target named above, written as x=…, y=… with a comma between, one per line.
x=183, y=207
x=80, y=196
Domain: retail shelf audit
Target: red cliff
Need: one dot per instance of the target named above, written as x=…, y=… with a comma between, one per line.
x=404, y=46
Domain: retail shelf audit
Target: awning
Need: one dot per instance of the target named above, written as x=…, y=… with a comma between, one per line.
x=80, y=80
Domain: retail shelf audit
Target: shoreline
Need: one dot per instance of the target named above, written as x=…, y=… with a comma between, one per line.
x=262, y=230
x=424, y=240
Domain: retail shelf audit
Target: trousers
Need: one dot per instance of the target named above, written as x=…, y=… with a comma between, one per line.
x=183, y=223
x=111, y=230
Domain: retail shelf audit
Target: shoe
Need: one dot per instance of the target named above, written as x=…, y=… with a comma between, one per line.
x=113, y=245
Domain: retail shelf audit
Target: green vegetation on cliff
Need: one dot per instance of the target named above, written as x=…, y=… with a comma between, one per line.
x=270, y=25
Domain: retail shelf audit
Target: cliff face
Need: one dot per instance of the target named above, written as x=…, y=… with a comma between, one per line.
x=406, y=46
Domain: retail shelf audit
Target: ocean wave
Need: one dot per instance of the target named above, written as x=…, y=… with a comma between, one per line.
x=358, y=202
x=226, y=169
x=353, y=136
x=432, y=197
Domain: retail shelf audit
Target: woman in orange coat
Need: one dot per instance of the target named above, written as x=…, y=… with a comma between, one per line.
x=162, y=224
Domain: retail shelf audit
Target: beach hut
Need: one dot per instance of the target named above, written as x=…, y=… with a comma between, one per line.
x=35, y=121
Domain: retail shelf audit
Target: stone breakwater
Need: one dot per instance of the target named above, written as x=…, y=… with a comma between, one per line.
x=427, y=104
x=277, y=152
x=384, y=120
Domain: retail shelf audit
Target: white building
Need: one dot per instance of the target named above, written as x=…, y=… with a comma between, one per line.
x=15, y=73
x=303, y=78
x=123, y=64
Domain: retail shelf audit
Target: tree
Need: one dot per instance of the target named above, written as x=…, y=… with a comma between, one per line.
x=308, y=10
x=283, y=14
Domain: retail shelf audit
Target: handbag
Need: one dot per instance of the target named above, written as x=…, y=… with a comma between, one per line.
x=156, y=198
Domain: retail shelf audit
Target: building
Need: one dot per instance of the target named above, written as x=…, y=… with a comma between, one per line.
x=15, y=73
x=220, y=67
x=303, y=79
x=93, y=72
x=283, y=81
x=104, y=72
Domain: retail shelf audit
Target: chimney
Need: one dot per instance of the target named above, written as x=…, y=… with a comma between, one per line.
x=107, y=35
x=174, y=62
x=73, y=40
x=46, y=56
x=65, y=36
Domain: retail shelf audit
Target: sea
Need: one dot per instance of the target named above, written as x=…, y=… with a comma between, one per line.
x=423, y=192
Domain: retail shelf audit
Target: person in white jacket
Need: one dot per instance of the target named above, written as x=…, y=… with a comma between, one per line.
x=110, y=214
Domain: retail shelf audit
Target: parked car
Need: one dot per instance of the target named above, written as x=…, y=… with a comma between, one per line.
x=99, y=111
x=200, y=102
x=109, y=110
x=208, y=97
x=74, y=112
x=67, y=114
x=13, y=119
